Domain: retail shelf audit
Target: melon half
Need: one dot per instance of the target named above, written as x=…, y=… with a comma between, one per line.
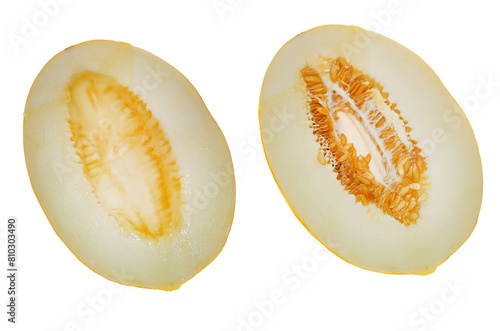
x=371, y=152
x=128, y=165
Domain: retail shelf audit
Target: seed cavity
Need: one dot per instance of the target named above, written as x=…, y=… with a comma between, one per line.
x=364, y=138
x=125, y=155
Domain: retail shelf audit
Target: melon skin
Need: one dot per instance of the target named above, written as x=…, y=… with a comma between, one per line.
x=203, y=162
x=363, y=235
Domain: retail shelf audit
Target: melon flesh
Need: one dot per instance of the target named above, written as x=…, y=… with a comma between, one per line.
x=128, y=165
x=376, y=158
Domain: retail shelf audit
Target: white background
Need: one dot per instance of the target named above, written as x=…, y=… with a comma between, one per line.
x=224, y=53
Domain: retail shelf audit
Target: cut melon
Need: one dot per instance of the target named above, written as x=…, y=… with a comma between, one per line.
x=128, y=165
x=375, y=157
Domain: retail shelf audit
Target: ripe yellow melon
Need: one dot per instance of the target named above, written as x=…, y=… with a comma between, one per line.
x=128, y=165
x=375, y=158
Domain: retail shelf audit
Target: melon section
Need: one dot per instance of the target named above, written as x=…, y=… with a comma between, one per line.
x=377, y=159
x=128, y=165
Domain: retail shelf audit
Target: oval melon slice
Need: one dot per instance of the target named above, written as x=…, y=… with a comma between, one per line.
x=371, y=152
x=128, y=165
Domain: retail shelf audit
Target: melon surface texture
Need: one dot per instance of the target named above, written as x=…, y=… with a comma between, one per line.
x=129, y=166
x=375, y=157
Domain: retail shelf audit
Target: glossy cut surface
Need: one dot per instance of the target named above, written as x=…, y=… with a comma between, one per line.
x=129, y=166
x=358, y=161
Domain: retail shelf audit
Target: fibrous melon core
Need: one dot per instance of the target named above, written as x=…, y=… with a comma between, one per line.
x=125, y=154
x=365, y=140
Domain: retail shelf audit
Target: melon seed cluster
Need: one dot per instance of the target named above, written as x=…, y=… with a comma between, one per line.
x=342, y=88
x=129, y=164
